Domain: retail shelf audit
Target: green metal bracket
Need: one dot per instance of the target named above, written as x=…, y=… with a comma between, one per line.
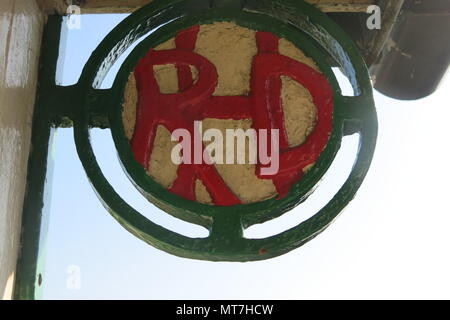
x=86, y=106
x=31, y=262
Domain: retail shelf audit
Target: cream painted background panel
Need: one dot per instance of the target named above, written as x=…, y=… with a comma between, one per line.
x=21, y=25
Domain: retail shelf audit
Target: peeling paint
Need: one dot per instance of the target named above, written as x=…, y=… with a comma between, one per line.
x=20, y=34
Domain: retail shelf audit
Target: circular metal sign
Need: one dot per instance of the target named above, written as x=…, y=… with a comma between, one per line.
x=232, y=63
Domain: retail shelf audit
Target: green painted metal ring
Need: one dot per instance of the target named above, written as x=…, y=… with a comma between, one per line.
x=299, y=22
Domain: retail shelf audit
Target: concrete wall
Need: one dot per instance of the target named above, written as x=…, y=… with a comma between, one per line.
x=21, y=23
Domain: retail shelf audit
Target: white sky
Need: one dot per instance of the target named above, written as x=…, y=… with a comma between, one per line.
x=391, y=242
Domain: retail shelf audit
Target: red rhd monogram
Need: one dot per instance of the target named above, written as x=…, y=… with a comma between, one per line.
x=196, y=102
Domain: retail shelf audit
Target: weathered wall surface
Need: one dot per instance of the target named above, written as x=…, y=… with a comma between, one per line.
x=21, y=23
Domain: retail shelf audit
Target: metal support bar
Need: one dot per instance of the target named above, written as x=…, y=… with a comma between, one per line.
x=31, y=257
